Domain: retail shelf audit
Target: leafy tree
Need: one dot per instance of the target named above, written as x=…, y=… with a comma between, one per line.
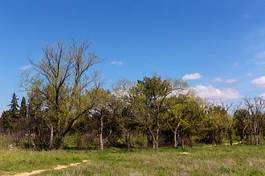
x=128, y=120
x=174, y=117
x=101, y=111
x=215, y=124
x=64, y=78
x=188, y=114
x=151, y=93
x=38, y=131
x=241, y=123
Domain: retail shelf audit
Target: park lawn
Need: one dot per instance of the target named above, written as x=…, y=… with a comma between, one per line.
x=199, y=160
x=16, y=161
x=203, y=160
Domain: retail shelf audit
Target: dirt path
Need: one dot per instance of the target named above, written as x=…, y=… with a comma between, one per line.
x=59, y=167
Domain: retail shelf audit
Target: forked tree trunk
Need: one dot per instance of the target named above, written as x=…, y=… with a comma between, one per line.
x=155, y=138
x=154, y=141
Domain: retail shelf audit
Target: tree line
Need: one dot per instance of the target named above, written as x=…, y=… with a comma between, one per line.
x=66, y=105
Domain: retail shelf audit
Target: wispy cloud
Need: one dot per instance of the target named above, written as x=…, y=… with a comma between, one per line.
x=117, y=62
x=25, y=67
x=192, y=76
x=227, y=81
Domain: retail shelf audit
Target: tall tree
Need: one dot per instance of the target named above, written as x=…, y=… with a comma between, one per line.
x=37, y=127
x=242, y=123
x=6, y=124
x=152, y=92
x=101, y=111
x=185, y=114
x=215, y=125
x=65, y=78
x=124, y=102
x=256, y=108
x=14, y=107
x=23, y=108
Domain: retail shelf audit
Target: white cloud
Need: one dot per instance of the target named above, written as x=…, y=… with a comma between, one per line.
x=121, y=93
x=259, y=82
x=227, y=81
x=176, y=93
x=192, y=76
x=117, y=62
x=25, y=67
x=210, y=92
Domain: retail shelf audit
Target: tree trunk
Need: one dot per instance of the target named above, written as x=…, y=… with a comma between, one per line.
x=175, y=139
x=154, y=144
x=128, y=140
x=51, y=137
x=101, y=142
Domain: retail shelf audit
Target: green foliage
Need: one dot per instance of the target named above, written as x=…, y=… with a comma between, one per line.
x=150, y=95
x=241, y=123
x=215, y=125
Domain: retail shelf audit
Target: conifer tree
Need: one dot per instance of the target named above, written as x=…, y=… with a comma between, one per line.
x=14, y=106
x=23, y=108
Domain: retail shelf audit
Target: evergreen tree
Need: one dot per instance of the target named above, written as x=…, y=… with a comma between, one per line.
x=14, y=106
x=5, y=122
x=23, y=108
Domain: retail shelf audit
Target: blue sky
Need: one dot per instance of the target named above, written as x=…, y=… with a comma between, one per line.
x=218, y=45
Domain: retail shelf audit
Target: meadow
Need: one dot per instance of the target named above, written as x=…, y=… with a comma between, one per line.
x=200, y=160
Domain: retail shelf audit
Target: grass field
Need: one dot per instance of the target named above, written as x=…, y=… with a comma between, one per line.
x=200, y=160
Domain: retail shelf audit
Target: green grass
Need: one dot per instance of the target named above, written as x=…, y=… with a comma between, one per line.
x=200, y=160
x=16, y=161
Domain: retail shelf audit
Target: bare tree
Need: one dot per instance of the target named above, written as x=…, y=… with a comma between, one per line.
x=256, y=108
x=65, y=75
